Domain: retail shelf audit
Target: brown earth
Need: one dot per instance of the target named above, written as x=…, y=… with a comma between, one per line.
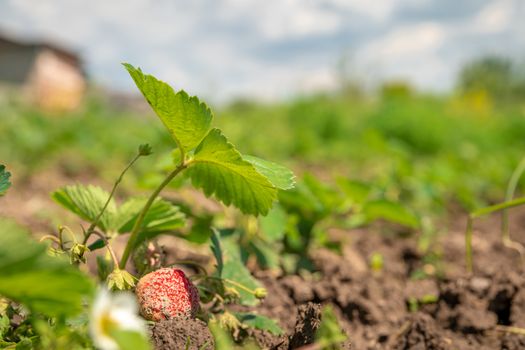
x=390, y=309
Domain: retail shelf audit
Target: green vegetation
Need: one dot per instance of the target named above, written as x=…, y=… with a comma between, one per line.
x=398, y=160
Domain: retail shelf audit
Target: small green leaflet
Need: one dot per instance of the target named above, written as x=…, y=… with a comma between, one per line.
x=160, y=218
x=42, y=283
x=186, y=118
x=87, y=202
x=259, y=322
x=219, y=169
x=4, y=180
x=280, y=176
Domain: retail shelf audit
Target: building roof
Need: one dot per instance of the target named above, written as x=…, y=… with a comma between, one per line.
x=67, y=54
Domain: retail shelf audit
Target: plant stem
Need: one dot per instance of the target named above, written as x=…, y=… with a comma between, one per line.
x=108, y=247
x=505, y=230
x=91, y=227
x=138, y=223
x=481, y=212
x=497, y=207
x=511, y=189
x=233, y=283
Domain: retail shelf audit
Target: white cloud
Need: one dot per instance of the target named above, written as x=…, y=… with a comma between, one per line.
x=283, y=19
x=495, y=17
x=378, y=10
x=410, y=52
x=269, y=48
x=407, y=40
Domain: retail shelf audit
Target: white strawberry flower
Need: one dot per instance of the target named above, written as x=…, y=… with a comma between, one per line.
x=114, y=312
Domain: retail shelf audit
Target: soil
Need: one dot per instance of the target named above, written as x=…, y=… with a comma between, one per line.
x=394, y=308
x=176, y=334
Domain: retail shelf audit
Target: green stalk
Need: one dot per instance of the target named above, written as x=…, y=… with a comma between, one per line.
x=94, y=224
x=497, y=207
x=138, y=223
x=481, y=212
x=511, y=189
x=505, y=230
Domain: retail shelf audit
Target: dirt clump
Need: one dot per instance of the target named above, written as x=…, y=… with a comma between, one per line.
x=175, y=334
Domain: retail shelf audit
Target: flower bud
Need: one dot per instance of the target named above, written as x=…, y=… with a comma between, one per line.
x=145, y=150
x=260, y=293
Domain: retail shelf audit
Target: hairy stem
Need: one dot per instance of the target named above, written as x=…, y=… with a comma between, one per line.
x=138, y=223
x=108, y=247
x=94, y=224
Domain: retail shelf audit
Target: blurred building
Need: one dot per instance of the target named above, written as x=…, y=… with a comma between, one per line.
x=49, y=75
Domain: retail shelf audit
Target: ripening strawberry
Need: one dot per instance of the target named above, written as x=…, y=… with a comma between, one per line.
x=167, y=293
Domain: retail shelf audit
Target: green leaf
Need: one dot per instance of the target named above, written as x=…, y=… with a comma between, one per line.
x=186, y=118
x=280, y=176
x=268, y=254
x=259, y=322
x=4, y=180
x=87, y=202
x=274, y=224
x=201, y=230
x=235, y=270
x=222, y=338
x=162, y=217
x=31, y=277
x=130, y=340
x=217, y=251
x=219, y=169
x=390, y=211
x=355, y=191
x=329, y=197
x=329, y=335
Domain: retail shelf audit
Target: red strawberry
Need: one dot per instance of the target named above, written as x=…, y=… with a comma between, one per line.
x=167, y=293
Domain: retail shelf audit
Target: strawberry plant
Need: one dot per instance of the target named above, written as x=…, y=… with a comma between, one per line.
x=211, y=163
x=50, y=284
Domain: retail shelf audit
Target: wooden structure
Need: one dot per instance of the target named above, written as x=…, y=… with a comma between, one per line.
x=50, y=76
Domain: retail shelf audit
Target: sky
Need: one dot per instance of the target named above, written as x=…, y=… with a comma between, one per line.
x=273, y=49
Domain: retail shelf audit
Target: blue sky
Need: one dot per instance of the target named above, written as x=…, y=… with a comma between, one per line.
x=273, y=48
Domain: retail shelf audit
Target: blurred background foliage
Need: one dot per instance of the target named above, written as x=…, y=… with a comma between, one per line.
x=392, y=153
x=461, y=146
